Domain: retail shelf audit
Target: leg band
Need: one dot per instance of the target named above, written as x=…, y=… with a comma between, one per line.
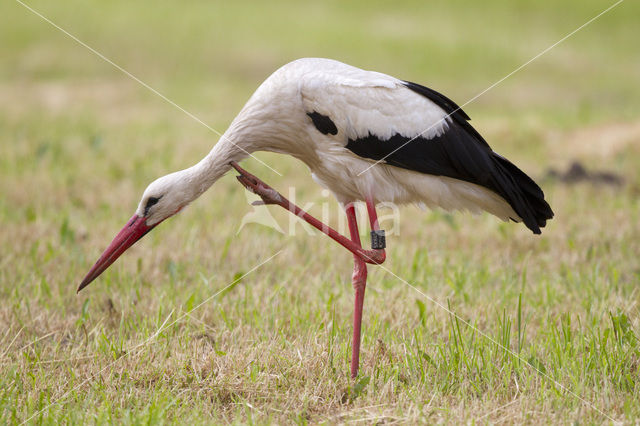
x=378, y=240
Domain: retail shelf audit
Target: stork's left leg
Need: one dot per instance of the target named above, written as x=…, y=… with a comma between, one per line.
x=359, y=277
x=361, y=256
x=359, y=281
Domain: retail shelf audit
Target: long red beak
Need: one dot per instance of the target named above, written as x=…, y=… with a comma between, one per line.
x=135, y=229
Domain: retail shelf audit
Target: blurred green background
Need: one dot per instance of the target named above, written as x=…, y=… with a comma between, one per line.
x=79, y=141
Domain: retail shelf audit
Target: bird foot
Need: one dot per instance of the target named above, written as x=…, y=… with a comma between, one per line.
x=269, y=195
x=258, y=187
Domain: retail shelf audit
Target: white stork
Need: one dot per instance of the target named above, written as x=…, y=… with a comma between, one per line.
x=364, y=136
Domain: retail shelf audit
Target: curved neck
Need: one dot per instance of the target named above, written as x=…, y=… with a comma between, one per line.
x=213, y=166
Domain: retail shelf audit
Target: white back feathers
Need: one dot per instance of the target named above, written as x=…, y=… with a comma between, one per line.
x=339, y=120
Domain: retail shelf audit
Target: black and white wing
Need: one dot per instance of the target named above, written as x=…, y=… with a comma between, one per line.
x=407, y=125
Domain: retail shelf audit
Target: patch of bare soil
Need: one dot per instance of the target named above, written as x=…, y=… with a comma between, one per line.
x=577, y=172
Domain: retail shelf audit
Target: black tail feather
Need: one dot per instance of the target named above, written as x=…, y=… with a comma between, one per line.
x=523, y=194
x=462, y=153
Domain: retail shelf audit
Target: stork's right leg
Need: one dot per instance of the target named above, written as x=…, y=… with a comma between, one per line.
x=271, y=196
x=361, y=256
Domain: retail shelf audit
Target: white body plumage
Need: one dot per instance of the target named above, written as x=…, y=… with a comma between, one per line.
x=364, y=136
x=359, y=104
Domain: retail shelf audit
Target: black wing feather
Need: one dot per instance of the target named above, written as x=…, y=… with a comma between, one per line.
x=460, y=153
x=450, y=107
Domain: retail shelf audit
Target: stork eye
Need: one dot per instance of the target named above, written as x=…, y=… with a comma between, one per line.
x=152, y=201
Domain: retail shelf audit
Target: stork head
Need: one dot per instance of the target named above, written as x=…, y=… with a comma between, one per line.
x=163, y=198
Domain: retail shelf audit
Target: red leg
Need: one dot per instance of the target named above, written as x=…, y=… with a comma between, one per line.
x=359, y=281
x=373, y=216
x=271, y=196
x=360, y=256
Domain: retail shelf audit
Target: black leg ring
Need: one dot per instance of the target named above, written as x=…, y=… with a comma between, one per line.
x=378, y=240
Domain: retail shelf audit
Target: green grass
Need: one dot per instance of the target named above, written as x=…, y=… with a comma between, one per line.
x=79, y=141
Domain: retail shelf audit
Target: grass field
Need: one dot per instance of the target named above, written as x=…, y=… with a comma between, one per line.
x=147, y=342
